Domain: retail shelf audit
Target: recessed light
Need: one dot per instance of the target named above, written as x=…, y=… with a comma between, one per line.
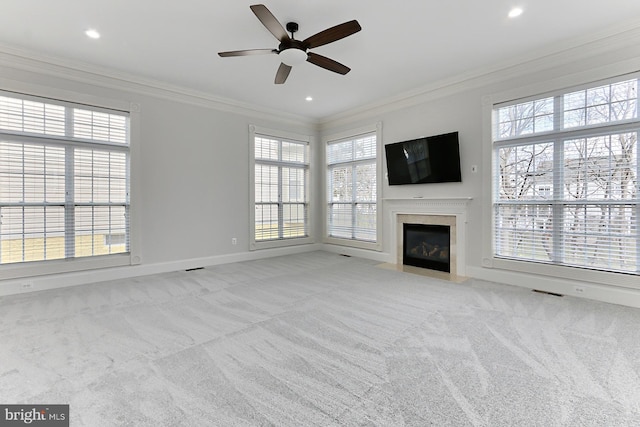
x=516, y=11
x=91, y=33
x=308, y=98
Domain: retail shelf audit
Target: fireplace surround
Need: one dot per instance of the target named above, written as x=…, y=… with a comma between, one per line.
x=451, y=212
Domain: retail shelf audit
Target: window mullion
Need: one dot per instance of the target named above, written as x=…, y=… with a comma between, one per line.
x=69, y=207
x=110, y=208
x=353, y=190
x=558, y=207
x=24, y=179
x=558, y=199
x=44, y=201
x=351, y=162
x=280, y=205
x=69, y=172
x=354, y=201
x=280, y=199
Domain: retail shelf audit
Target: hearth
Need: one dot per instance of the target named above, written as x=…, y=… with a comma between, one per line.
x=427, y=246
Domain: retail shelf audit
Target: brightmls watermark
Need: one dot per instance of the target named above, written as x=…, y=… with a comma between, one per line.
x=34, y=415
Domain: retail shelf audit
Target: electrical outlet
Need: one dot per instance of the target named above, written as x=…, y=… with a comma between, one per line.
x=578, y=289
x=234, y=241
x=26, y=285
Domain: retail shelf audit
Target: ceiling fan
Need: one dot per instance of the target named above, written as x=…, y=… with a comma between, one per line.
x=294, y=51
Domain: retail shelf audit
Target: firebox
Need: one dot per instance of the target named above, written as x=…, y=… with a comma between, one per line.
x=427, y=246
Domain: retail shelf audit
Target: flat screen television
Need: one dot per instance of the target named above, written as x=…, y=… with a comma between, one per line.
x=424, y=160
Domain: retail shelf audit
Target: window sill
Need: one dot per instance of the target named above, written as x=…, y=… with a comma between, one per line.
x=269, y=244
x=372, y=246
x=626, y=280
x=41, y=268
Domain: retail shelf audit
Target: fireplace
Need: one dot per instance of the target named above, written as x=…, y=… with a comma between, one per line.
x=450, y=212
x=427, y=246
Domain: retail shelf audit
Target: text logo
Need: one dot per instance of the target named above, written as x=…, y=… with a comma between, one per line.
x=34, y=415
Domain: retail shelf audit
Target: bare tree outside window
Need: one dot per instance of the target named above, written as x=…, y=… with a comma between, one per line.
x=568, y=193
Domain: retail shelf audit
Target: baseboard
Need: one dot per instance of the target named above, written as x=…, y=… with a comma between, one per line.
x=56, y=281
x=599, y=292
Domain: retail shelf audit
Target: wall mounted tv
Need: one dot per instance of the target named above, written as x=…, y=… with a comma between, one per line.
x=424, y=160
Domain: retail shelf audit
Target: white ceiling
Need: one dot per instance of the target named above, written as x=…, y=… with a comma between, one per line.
x=403, y=45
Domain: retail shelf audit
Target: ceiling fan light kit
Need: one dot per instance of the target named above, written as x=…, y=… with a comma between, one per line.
x=293, y=52
x=293, y=56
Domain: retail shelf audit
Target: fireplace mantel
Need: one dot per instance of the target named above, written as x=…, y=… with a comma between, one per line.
x=455, y=207
x=448, y=204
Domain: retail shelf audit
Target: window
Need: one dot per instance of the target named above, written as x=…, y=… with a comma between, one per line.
x=566, y=178
x=352, y=188
x=280, y=196
x=64, y=180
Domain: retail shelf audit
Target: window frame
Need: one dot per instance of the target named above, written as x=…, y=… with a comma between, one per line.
x=376, y=130
x=90, y=102
x=556, y=136
x=254, y=244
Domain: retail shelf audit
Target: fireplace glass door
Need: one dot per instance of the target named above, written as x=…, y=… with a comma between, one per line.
x=427, y=246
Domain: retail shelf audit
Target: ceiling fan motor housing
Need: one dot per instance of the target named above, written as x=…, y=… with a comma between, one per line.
x=292, y=27
x=291, y=44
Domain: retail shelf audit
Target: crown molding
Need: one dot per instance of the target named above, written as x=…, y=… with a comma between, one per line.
x=619, y=37
x=623, y=35
x=77, y=71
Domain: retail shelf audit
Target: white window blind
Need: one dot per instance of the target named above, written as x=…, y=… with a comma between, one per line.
x=566, y=178
x=64, y=180
x=352, y=188
x=281, y=200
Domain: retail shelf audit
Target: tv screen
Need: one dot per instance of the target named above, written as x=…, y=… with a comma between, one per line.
x=424, y=160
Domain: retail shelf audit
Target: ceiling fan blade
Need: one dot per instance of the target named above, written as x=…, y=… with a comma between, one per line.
x=282, y=74
x=247, y=52
x=270, y=21
x=327, y=63
x=332, y=34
